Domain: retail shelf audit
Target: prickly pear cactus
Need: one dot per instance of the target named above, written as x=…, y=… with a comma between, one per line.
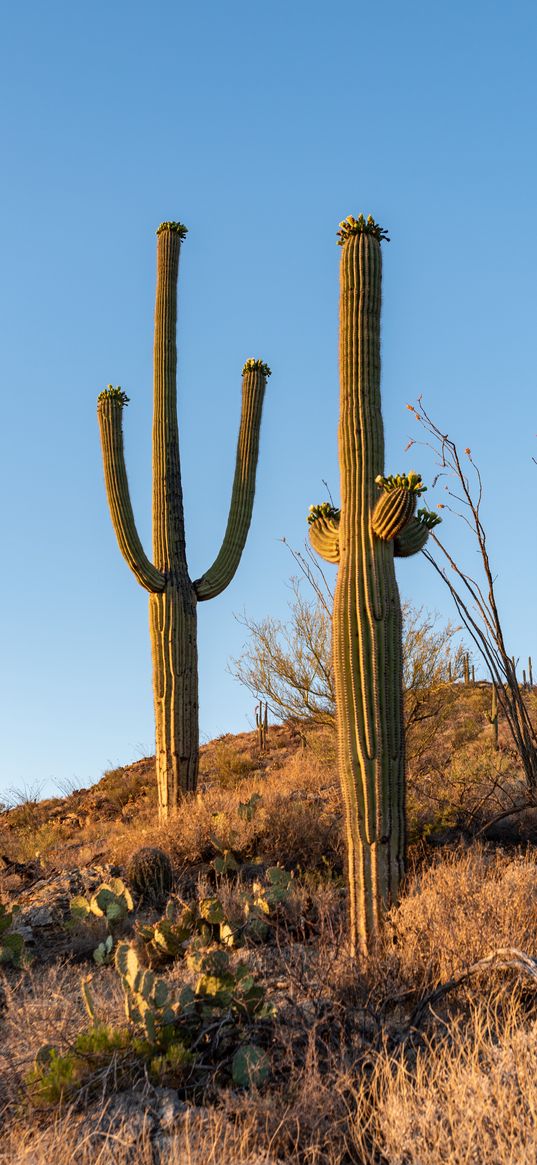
x=147, y=999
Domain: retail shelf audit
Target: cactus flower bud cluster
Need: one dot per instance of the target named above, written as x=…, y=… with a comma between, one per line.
x=177, y=228
x=252, y=365
x=325, y=510
x=111, y=393
x=411, y=482
x=360, y=226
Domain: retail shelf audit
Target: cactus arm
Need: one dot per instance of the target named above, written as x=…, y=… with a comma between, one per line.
x=220, y=574
x=413, y=537
x=324, y=531
x=109, y=413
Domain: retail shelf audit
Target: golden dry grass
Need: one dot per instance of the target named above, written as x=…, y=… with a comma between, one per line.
x=352, y=1082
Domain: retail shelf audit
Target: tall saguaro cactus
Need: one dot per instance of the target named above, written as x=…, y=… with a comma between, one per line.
x=362, y=538
x=173, y=597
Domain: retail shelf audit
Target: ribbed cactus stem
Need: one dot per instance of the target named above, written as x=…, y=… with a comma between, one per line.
x=367, y=615
x=173, y=596
x=219, y=575
x=110, y=414
x=324, y=531
x=168, y=519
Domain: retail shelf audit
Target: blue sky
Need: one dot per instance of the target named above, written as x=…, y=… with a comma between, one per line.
x=260, y=127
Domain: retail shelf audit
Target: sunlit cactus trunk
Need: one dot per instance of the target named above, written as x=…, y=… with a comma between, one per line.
x=173, y=596
x=367, y=628
x=367, y=632
x=172, y=611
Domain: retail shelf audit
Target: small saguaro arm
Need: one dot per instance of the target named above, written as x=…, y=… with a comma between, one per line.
x=362, y=539
x=173, y=596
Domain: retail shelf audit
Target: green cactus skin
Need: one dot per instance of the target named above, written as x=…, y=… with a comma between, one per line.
x=411, y=539
x=414, y=535
x=367, y=613
x=324, y=536
x=392, y=513
x=173, y=597
x=150, y=873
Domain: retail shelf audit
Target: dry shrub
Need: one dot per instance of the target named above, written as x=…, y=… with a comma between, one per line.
x=202, y=1137
x=465, y=905
x=469, y=1096
x=297, y=823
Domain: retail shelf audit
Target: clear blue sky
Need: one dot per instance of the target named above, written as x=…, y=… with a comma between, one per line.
x=259, y=126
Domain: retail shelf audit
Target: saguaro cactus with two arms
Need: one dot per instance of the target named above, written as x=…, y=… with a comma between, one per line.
x=362, y=538
x=173, y=596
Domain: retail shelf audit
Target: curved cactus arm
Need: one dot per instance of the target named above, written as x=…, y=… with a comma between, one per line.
x=413, y=537
x=324, y=531
x=254, y=379
x=410, y=540
x=109, y=412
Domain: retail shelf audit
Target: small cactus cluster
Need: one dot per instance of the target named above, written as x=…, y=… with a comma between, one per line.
x=206, y=921
x=147, y=999
x=112, y=901
x=11, y=943
x=150, y=873
x=219, y=988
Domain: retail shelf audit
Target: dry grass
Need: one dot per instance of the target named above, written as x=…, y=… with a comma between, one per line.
x=352, y=1082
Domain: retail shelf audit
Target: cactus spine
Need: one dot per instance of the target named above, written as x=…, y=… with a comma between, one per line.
x=173, y=596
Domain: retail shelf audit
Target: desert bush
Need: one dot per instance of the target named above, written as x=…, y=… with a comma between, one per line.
x=231, y=765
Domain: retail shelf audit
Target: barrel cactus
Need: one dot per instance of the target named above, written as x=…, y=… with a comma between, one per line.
x=367, y=637
x=173, y=596
x=150, y=873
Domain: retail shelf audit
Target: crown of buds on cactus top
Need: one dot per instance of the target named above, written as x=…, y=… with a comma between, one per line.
x=408, y=481
x=325, y=510
x=177, y=227
x=111, y=393
x=361, y=226
x=252, y=365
